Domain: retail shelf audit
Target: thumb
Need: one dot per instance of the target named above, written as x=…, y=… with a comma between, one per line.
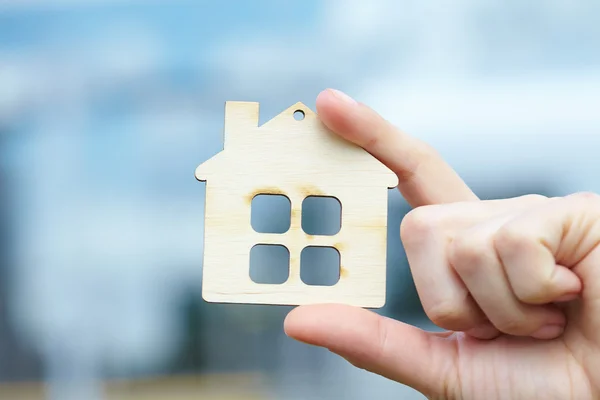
x=397, y=351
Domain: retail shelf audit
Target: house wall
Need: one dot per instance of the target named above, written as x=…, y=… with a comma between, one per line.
x=226, y=232
x=229, y=237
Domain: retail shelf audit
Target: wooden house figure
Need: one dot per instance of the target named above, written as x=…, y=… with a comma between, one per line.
x=296, y=158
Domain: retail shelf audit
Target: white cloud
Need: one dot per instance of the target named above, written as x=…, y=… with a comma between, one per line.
x=129, y=50
x=543, y=105
x=67, y=74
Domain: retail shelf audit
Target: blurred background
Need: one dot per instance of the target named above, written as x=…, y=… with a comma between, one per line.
x=107, y=107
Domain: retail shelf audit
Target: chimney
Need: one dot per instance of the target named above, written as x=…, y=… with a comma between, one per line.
x=240, y=116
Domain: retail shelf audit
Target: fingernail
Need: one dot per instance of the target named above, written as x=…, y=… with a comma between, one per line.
x=343, y=97
x=549, y=332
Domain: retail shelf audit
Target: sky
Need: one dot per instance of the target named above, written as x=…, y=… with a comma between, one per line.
x=109, y=106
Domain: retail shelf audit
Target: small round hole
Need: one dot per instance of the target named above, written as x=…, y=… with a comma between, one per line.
x=298, y=115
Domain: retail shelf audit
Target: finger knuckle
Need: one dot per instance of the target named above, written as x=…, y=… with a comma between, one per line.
x=467, y=254
x=371, y=141
x=511, y=326
x=418, y=224
x=448, y=315
x=382, y=336
x=537, y=293
x=509, y=237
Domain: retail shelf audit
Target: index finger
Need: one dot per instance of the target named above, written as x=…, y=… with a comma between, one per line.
x=424, y=177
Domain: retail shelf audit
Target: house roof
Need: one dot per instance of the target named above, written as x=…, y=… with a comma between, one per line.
x=307, y=144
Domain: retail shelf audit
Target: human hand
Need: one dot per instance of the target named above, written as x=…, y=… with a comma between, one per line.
x=515, y=282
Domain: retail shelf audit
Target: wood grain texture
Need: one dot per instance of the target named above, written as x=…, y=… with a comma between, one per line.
x=295, y=158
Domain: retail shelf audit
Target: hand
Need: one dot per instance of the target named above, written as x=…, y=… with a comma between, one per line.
x=516, y=283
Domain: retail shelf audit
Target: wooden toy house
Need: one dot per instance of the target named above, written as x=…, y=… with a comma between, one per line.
x=296, y=159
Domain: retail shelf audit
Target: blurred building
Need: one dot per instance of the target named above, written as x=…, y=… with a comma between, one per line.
x=18, y=362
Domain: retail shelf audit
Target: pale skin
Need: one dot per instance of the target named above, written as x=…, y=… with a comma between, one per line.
x=515, y=283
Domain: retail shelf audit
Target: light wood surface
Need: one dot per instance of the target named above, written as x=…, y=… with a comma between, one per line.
x=295, y=158
x=226, y=386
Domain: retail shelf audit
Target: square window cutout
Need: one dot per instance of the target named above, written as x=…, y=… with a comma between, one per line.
x=269, y=264
x=320, y=265
x=321, y=215
x=271, y=213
